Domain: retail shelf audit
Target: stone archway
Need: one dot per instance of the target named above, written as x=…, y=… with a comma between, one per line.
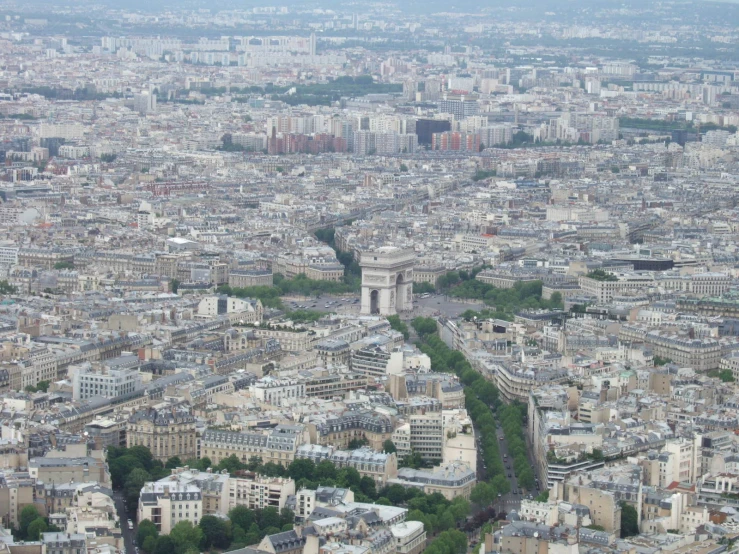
x=375, y=302
x=387, y=280
x=399, y=298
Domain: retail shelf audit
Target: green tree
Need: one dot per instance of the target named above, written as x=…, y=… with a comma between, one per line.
x=397, y=325
x=239, y=537
x=367, y=486
x=287, y=516
x=629, y=520
x=302, y=468
x=134, y=483
x=242, y=516
x=460, y=508
x=601, y=275
x=254, y=463
x=446, y=521
x=422, y=288
x=271, y=469
x=28, y=515
x=501, y=484
x=174, y=285
x=164, y=545
x=325, y=470
x=215, y=532
x=526, y=478
x=726, y=376
x=483, y=494
x=424, y=326
x=413, y=460
x=149, y=544
x=348, y=477
x=35, y=528
x=185, y=535
x=64, y=265
x=403, y=168
x=357, y=443
x=146, y=529
x=269, y=517
x=173, y=462
x=231, y=464
x=6, y=288
x=121, y=467
x=389, y=446
x=144, y=456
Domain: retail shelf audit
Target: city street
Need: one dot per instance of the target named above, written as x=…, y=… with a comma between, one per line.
x=512, y=500
x=128, y=535
x=434, y=305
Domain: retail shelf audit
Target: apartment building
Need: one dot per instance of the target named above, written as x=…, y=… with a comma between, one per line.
x=60, y=470
x=221, y=492
x=380, y=466
x=333, y=352
x=558, y=442
x=167, y=432
x=8, y=254
x=307, y=500
x=313, y=266
x=678, y=462
x=376, y=360
x=605, y=290
x=409, y=537
x=503, y=280
x=277, y=446
x=702, y=354
x=274, y=391
x=334, y=385
x=339, y=431
x=248, y=310
x=258, y=492
x=731, y=362
x=515, y=381
x=605, y=509
x=166, y=504
x=63, y=543
x=241, y=278
x=428, y=273
x=108, y=383
x=45, y=258
x=17, y=490
x=451, y=480
x=698, y=284
x=427, y=435
x=291, y=340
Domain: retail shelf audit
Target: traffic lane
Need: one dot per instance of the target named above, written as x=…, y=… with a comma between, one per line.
x=511, y=500
x=508, y=466
x=434, y=305
x=128, y=535
x=438, y=304
x=326, y=303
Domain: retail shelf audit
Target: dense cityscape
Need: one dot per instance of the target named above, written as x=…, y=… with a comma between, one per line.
x=401, y=277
